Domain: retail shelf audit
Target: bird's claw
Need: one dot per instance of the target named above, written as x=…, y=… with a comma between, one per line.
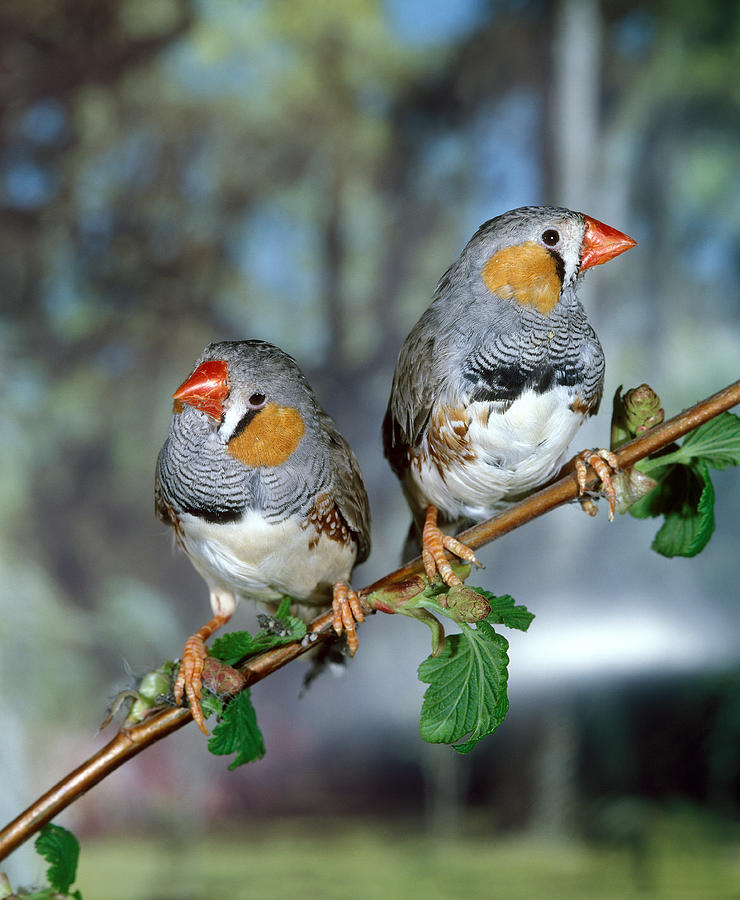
x=434, y=544
x=347, y=613
x=189, y=678
x=606, y=465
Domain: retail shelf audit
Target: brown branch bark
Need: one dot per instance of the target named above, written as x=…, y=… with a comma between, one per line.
x=133, y=740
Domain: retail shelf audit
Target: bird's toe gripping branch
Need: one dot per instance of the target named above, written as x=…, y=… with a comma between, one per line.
x=190, y=677
x=347, y=613
x=606, y=465
x=434, y=544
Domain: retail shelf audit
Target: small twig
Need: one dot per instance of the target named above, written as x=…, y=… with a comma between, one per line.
x=133, y=740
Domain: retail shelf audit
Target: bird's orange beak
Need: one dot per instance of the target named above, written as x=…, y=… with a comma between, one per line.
x=602, y=243
x=206, y=388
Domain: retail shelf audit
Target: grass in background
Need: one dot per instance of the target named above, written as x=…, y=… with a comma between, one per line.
x=686, y=856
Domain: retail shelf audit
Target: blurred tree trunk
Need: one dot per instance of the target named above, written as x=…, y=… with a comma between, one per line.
x=333, y=264
x=446, y=779
x=17, y=787
x=555, y=775
x=575, y=103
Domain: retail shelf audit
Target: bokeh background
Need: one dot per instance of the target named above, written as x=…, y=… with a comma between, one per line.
x=174, y=172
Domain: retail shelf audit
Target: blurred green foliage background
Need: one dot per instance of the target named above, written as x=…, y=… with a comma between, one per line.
x=179, y=171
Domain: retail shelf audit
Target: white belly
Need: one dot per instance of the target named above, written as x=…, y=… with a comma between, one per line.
x=265, y=561
x=515, y=452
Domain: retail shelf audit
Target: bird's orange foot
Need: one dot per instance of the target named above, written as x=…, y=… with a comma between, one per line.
x=606, y=465
x=189, y=678
x=434, y=544
x=347, y=613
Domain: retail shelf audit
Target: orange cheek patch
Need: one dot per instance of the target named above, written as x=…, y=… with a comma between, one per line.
x=177, y=407
x=270, y=438
x=527, y=274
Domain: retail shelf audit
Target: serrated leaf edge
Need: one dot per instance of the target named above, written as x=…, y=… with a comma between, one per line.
x=61, y=849
x=472, y=732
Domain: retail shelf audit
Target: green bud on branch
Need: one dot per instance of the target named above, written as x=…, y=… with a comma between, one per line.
x=389, y=599
x=634, y=413
x=155, y=685
x=464, y=604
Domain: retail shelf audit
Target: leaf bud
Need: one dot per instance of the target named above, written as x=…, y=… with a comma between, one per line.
x=466, y=604
x=154, y=685
x=634, y=412
x=642, y=409
x=389, y=599
x=220, y=678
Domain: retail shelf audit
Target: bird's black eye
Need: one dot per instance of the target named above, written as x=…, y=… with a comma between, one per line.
x=550, y=237
x=257, y=400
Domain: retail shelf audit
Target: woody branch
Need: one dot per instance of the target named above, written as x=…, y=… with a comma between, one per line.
x=131, y=741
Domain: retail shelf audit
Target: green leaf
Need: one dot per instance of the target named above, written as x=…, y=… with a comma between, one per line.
x=656, y=503
x=717, y=442
x=688, y=527
x=232, y=647
x=238, y=732
x=685, y=496
x=279, y=631
x=283, y=611
x=504, y=612
x=282, y=628
x=210, y=704
x=467, y=688
x=61, y=849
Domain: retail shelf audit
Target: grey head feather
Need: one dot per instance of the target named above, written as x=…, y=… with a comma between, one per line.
x=196, y=474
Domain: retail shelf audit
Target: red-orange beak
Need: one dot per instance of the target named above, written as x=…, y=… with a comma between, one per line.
x=602, y=243
x=206, y=388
